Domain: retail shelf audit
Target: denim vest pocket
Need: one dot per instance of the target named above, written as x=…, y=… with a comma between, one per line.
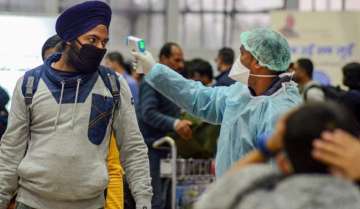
x=101, y=110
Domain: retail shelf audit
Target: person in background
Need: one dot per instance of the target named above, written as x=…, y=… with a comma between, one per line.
x=137, y=77
x=51, y=45
x=351, y=79
x=4, y=114
x=244, y=111
x=291, y=68
x=299, y=180
x=309, y=89
x=158, y=116
x=115, y=61
x=203, y=142
x=55, y=157
x=201, y=70
x=224, y=61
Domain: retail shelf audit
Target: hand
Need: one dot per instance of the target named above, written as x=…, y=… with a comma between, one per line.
x=145, y=60
x=183, y=128
x=275, y=143
x=11, y=206
x=341, y=151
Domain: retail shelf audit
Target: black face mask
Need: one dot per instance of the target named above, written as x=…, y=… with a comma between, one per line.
x=86, y=59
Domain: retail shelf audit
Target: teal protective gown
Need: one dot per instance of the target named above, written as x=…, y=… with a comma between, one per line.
x=242, y=116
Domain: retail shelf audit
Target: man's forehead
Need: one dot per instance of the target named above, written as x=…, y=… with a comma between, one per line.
x=101, y=31
x=176, y=51
x=98, y=28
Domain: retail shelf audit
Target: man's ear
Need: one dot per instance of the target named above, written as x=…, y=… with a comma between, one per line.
x=284, y=164
x=255, y=64
x=163, y=59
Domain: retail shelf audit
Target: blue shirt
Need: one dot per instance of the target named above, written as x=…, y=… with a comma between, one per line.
x=223, y=79
x=156, y=114
x=133, y=85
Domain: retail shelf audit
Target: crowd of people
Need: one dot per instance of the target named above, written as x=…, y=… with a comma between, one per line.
x=81, y=135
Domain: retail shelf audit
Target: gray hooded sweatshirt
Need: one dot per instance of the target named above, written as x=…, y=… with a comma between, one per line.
x=59, y=161
x=263, y=187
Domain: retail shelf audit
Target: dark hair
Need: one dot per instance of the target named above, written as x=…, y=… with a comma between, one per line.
x=227, y=55
x=291, y=65
x=305, y=125
x=4, y=99
x=351, y=73
x=166, y=49
x=53, y=42
x=200, y=66
x=115, y=57
x=307, y=66
x=128, y=67
x=118, y=58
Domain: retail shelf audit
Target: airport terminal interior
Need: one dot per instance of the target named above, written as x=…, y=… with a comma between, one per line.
x=180, y=104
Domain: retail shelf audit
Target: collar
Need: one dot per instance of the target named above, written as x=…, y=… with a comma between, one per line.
x=70, y=78
x=275, y=85
x=222, y=74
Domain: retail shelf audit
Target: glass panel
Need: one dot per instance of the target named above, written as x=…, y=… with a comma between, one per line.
x=190, y=30
x=306, y=5
x=257, y=5
x=158, y=5
x=194, y=36
x=247, y=22
x=141, y=4
x=156, y=38
x=68, y=3
x=193, y=4
x=321, y=5
x=335, y=5
x=214, y=26
x=119, y=30
x=214, y=5
x=23, y=6
x=352, y=5
x=141, y=27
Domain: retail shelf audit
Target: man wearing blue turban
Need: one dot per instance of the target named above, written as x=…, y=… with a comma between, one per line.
x=247, y=109
x=63, y=112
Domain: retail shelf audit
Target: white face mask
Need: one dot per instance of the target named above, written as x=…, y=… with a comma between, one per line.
x=240, y=73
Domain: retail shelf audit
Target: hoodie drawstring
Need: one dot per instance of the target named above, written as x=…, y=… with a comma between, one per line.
x=76, y=100
x=59, y=109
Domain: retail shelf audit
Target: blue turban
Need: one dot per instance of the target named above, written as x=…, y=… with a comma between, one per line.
x=81, y=18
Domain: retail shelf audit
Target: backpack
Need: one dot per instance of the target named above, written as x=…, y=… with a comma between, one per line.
x=331, y=93
x=32, y=77
x=4, y=114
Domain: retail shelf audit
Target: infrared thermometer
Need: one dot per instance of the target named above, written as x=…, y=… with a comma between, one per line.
x=135, y=44
x=138, y=45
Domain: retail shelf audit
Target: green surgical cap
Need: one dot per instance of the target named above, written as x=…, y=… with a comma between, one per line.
x=268, y=47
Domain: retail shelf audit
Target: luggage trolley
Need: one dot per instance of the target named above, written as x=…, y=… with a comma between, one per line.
x=189, y=177
x=165, y=168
